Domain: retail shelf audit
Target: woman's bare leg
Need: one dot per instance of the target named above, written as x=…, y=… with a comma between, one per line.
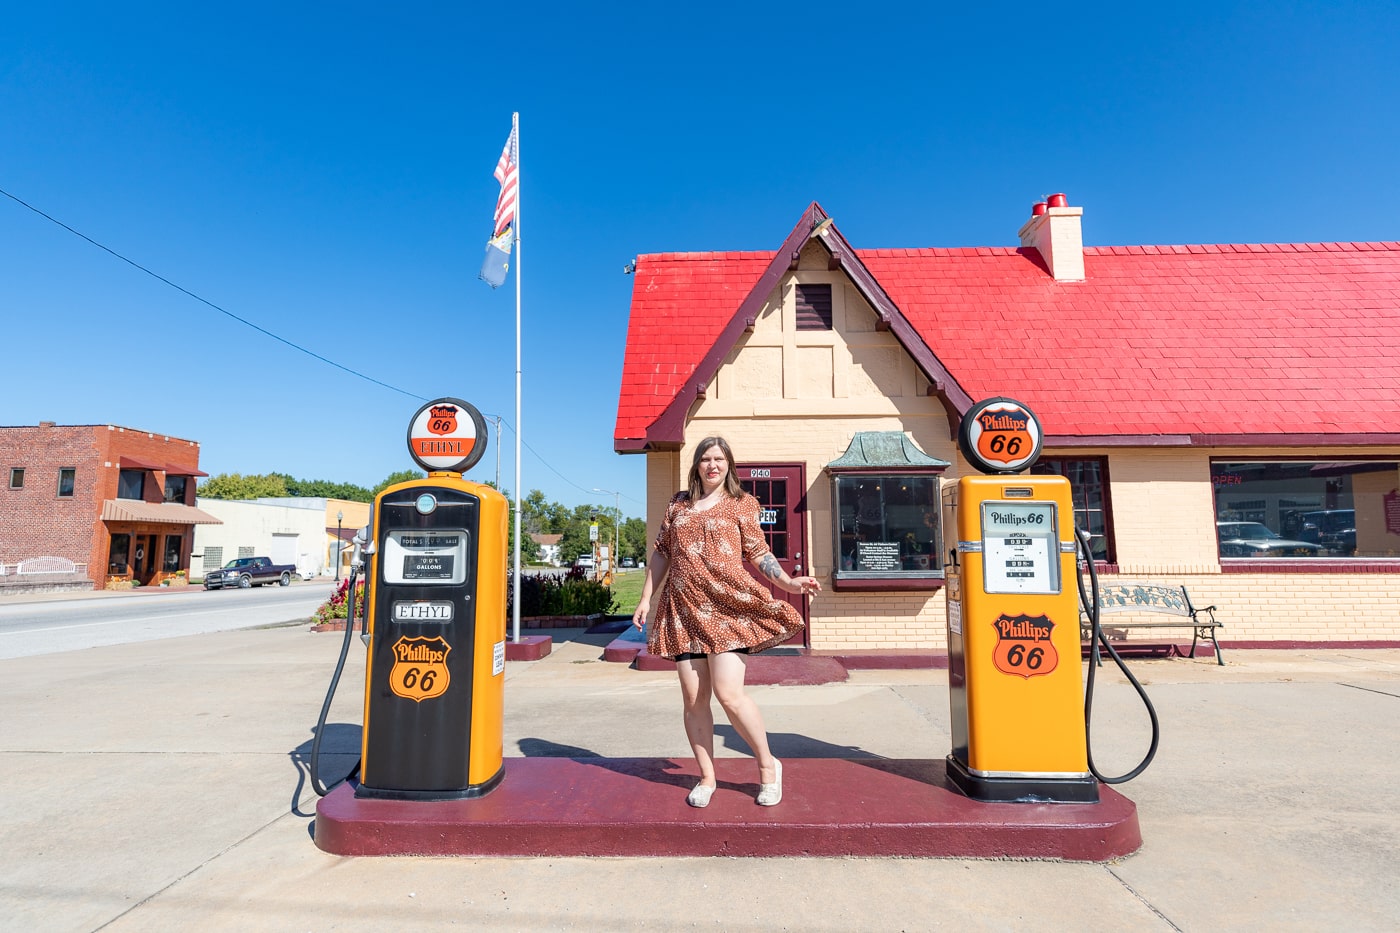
x=699, y=718
x=727, y=681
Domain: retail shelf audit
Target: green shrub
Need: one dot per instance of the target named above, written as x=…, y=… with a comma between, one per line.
x=557, y=594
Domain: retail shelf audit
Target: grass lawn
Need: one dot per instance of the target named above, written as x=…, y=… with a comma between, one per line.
x=627, y=590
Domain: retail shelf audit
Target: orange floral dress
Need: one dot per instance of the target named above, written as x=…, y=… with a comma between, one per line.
x=710, y=603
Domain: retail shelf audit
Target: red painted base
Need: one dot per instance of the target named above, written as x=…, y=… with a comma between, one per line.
x=788, y=670
x=529, y=648
x=636, y=807
x=623, y=650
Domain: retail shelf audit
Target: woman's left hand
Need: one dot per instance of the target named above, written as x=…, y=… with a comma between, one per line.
x=807, y=585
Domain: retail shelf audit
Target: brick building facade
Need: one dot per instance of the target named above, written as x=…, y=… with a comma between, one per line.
x=116, y=502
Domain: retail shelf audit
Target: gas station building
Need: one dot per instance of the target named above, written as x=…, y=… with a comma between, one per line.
x=1228, y=415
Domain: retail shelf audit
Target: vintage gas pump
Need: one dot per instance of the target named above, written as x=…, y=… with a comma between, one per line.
x=436, y=594
x=1017, y=703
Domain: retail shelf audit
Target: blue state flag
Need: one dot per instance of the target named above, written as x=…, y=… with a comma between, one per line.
x=497, y=261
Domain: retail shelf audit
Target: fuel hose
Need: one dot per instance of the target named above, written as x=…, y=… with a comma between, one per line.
x=1091, y=607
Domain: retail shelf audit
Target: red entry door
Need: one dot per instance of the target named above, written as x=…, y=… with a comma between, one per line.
x=780, y=490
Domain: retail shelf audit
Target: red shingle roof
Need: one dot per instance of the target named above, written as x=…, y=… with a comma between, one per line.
x=1216, y=343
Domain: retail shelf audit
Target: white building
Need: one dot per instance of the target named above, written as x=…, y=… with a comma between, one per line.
x=289, y=531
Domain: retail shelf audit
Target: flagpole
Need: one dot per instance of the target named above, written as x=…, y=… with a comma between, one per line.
x=519, y=582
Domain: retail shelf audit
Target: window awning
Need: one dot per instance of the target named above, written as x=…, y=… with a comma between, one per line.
x=170, y=469
x=131, y=463
x=165, y=513
x=885, y=450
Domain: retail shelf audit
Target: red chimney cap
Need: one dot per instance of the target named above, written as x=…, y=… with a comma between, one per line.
x=1057, y=200
x=1038, y=208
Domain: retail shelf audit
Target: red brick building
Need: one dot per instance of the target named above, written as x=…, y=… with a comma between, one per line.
x=116, y=502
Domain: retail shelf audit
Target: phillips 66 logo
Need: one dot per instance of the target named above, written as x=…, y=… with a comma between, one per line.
x=420, y=668
x=1000, y=435
x=442, y=419
x=1023, y=645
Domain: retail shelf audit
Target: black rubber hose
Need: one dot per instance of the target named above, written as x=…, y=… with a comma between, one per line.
x=1097, y=638
x=316, y=784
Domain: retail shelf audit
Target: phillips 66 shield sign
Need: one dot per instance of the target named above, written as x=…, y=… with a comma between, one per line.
x=447, y=434
x=1000, y=435
x=1023, y=645
x=420, y=668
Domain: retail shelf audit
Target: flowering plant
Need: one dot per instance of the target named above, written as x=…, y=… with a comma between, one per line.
x=338, y=606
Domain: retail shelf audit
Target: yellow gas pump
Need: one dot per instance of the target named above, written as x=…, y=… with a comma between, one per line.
x=1017, y=701
x=436, y=593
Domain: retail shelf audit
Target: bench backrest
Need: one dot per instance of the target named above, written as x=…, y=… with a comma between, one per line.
x=1150, y=597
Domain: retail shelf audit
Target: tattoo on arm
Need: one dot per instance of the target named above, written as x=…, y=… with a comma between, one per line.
x=770, y=567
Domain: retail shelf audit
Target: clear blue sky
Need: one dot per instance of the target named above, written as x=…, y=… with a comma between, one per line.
x=327, y=176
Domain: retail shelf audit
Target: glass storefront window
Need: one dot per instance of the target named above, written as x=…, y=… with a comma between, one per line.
x=888, y=525
x=1307, y=508
x=171, y=561
x=1088, y=482
x=120, y=554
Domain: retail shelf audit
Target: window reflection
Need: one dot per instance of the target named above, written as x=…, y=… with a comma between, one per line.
x=1303, y=508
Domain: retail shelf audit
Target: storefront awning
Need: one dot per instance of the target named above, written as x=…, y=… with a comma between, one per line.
x=165, y=513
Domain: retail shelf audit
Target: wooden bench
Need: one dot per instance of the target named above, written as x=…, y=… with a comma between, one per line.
x=1152, y=599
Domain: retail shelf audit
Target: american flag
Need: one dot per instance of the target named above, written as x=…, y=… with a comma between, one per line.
x=508, y=174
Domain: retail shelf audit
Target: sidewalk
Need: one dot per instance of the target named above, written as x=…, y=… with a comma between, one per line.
x=163, y=786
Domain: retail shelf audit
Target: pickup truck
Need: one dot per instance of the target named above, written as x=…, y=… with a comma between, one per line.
x=244, y=572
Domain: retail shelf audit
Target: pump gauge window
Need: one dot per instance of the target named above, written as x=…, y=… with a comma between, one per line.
x=1020, y=547
x=426, y=558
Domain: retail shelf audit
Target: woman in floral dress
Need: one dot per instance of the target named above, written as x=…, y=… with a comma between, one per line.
x=710, y=612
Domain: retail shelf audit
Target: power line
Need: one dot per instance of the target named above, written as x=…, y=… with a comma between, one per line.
x=267, y=333
x=205, y=301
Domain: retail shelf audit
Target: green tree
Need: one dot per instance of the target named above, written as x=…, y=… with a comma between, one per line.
x=574, y=542
x=238, y=486
x=634, y=539
x=326, y=489
x=541, y=517
x=402, y=476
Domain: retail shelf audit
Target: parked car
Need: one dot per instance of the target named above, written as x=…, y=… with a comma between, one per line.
x=1333, y=529
x=584, y=563
x=1253, y=539
x=627, y=563
x=244, y=572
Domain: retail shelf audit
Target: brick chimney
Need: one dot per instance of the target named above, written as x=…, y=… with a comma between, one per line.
x=1054, y=230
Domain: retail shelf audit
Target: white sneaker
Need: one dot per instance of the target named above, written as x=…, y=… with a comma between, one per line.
x=770, y=795
x=700, y=795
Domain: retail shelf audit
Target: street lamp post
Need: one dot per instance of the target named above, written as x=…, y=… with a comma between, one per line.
x=339, y=517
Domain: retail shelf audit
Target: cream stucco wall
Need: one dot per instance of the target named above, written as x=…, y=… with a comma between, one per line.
x=789, y=396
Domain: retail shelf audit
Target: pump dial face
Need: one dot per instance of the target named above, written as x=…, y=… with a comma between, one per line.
x=447, y=435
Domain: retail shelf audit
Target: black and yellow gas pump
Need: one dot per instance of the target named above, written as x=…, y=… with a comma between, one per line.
x=436, y=610
x=1018, y=725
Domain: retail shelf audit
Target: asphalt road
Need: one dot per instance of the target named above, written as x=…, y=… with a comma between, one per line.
x=68, y=622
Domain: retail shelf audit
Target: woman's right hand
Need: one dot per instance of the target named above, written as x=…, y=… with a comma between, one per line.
x=639, y=618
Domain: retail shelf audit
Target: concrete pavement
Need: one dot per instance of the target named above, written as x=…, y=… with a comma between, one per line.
x=163, y=786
